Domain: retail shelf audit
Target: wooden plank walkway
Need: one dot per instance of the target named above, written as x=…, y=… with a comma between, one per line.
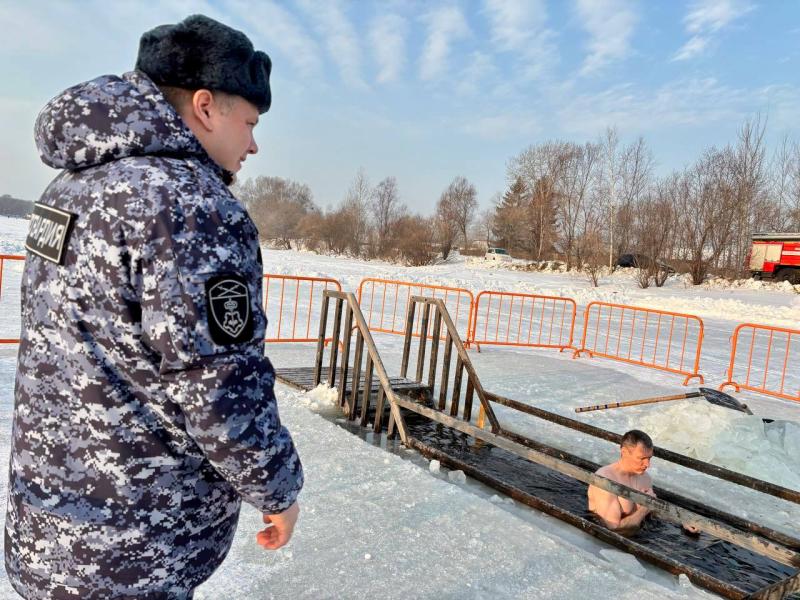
x=302, y=378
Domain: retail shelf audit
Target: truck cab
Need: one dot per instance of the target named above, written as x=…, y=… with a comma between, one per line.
x=776, y=256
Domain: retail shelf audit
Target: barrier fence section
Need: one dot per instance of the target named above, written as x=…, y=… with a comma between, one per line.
x=293, y=305
x=10, y=278
x=511, y=319
x=385, y=304
x=765, y=359
x=646, y=337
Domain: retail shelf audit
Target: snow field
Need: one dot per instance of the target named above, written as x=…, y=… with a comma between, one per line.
x=372, y=522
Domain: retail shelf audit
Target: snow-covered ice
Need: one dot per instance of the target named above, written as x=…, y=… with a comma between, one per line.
x=377, y=523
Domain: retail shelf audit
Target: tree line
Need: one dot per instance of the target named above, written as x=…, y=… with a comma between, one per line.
x=369, y=222
x=583, y=204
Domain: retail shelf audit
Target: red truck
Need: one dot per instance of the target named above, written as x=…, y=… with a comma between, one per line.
x=776, y=256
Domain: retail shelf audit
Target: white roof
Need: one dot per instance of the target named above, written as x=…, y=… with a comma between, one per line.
x=776, y=236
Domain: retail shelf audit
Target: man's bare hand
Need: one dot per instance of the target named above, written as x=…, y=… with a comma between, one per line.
x=280, y=528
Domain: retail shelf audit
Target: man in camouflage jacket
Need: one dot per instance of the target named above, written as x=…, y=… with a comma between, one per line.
x=144, y=406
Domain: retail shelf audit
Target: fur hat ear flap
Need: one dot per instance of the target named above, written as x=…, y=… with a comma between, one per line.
x=201, y=53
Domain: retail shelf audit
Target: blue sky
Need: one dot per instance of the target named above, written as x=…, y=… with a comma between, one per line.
x=426, y=91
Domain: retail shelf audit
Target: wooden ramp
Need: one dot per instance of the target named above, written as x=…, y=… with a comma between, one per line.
x=302, y=378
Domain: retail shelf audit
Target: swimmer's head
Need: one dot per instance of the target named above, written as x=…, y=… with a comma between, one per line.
x=636, y=450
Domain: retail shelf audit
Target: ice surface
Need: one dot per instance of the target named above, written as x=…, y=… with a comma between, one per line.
x=624, y=561
x=457, y=477
x=434, y=466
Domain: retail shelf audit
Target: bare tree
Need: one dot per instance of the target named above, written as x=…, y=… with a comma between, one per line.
x=276, y=206
x=386, y=210
x=785, y=179
x=748, y=179
x=356, y=208
x=330, y=231
x=654, y=230
x=574, y=208
x=446, y=225
x=792, y=218
x=415, y=240
x=609, y=175
x=592, y=251
x=460, y=199
x=484, y=225
x=705, y=203
x=636, y=173
x=540, y=222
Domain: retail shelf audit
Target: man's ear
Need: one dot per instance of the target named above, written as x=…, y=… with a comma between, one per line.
x=202, y=108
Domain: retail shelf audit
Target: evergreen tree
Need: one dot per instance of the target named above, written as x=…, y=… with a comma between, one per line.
x=509, y=218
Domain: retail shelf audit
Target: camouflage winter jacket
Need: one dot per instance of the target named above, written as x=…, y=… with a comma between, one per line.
x=144, y=409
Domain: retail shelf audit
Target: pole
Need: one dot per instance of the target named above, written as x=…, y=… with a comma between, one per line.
x=611, y=236
x=637, y=402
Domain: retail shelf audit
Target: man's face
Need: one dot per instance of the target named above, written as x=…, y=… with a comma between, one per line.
x=636, y=459
x=232, y=139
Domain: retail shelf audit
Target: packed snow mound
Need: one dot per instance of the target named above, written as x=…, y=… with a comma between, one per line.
x=737, y=310
x=544, y=266
x=320, y=398
x=720, y=283
x=731, y=439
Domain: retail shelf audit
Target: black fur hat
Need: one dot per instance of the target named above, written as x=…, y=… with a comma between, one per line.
x=200, y=52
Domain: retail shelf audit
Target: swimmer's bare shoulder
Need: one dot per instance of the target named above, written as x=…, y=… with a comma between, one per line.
x=596, y=494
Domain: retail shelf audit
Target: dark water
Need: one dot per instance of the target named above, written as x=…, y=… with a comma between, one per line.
x=728, y=562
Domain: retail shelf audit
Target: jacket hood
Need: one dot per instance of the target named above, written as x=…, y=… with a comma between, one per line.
x=109, y=118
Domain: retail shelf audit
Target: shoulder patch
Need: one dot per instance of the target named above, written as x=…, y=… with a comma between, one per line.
x=230, y=319
x=49, y=232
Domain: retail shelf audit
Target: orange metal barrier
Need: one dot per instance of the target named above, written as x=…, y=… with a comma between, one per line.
x=770, y=352
x=289, y=302
x=510, y=319
x=385, y=303
x=647, y=337
x=3, y=259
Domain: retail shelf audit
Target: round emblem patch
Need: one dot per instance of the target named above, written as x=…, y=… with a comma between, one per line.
x=230, y=319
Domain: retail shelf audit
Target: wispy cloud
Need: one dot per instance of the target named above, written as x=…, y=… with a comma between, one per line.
x=610, y=25
x=39, y=27
x=341, y=41
x=445, y=26
x=680, y=103
x=474, y=76
x=520, y=27
x=279, y=29
x=513, y=22
x=706, y=18
x=501, y=127
x=388, y=38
